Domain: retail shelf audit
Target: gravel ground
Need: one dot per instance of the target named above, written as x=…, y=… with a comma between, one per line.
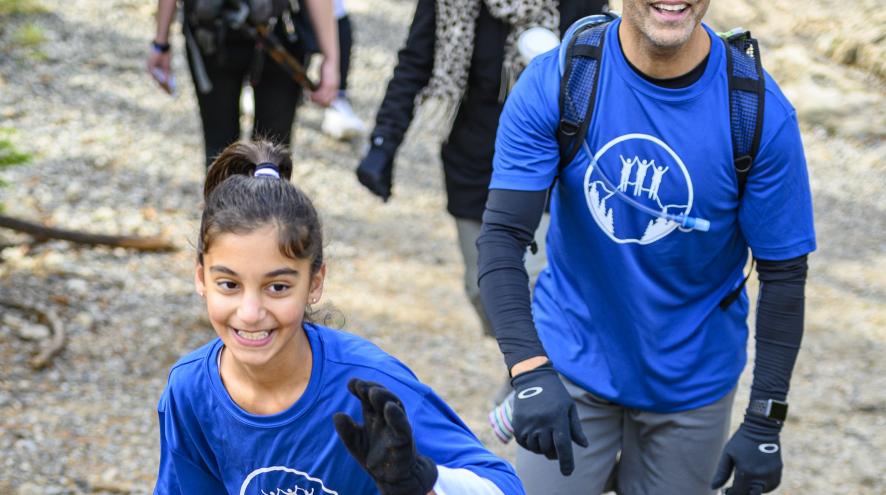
x=114, y=154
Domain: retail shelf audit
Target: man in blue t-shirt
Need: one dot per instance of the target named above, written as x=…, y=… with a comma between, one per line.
x=626, y=350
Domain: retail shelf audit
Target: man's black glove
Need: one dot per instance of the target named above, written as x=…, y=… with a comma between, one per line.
x=383, y=445
x=755, y=453
x=545, y=418
x=376, y=171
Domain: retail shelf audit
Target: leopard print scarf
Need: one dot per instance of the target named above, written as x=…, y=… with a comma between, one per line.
x=454, y=46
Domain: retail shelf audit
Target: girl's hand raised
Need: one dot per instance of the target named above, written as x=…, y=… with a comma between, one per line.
x=384, y=445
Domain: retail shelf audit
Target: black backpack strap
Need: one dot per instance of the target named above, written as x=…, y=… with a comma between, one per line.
x=578, y=83
x=747, y=88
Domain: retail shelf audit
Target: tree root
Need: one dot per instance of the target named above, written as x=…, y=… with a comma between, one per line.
x=41, y=232
x=47, y=317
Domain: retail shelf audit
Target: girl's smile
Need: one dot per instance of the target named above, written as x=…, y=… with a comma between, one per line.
x=256, y=338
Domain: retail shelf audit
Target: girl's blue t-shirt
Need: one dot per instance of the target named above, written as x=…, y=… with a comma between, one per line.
x=628, y=306
x=211, y=445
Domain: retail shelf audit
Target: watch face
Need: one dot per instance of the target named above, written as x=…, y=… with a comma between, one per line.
x=778, y=410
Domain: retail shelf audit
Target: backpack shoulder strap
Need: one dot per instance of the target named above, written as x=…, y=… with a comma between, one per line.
x=747, y=88
x=579, y=60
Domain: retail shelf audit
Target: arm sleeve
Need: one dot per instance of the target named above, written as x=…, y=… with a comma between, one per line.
x=509, y=222
x=779, y=327
x=462, y=481
x=415, y=61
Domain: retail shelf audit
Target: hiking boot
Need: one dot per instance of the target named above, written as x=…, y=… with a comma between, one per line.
x=340, y=121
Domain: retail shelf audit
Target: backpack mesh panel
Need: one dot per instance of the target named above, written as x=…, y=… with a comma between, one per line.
x=581, y=77
x=743, y=104
x=743, y=117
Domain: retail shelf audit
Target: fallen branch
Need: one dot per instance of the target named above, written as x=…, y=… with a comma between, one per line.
x=41, y=232
x=47, y=317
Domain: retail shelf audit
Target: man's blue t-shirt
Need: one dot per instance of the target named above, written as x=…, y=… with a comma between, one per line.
x=628, y=307
x=211, y=445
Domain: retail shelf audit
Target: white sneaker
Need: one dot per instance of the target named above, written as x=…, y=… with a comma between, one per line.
x=340, y=121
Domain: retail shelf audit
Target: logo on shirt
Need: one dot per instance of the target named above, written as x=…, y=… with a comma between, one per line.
x=631, y=182
x=279, y=480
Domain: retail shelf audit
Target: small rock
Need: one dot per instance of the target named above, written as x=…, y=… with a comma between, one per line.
x=29, y=489
x=25, y=445
x=84, y=320
x=152, y=322
x=110, y=475
x=77, y=285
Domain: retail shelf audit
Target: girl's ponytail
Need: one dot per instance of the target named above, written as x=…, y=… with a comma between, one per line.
x=242, y=158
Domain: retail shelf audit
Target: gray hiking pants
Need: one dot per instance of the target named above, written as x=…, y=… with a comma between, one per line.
x=634, y=452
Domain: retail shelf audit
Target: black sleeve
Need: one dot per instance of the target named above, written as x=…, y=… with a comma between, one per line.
x=509, y=223
x=779, y=328
x=415, y=61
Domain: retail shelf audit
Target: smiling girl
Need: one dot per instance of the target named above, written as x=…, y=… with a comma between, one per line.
x=264, y=408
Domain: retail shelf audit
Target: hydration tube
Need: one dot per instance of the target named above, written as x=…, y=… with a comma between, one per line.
x=685, y=221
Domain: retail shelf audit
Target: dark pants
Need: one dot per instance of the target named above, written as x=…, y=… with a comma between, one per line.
x=276, y=97
x=345, y=42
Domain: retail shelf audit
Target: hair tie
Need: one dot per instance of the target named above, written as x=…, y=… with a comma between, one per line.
x=267, y=169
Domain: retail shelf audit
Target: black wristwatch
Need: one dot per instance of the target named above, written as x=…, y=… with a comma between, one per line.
x=770, y=408
x=160, y=47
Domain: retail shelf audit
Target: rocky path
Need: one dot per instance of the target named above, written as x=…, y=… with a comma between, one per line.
x=112, y=153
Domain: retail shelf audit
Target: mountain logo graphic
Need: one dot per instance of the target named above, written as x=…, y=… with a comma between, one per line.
x=637, y=169
x=280, y=480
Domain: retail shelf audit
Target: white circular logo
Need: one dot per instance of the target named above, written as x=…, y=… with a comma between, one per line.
x=643, y=170
x=530, y=392
x=768, y=448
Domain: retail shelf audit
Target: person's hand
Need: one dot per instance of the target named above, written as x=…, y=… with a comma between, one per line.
x=384, y=445
x=545, y=417
x=327, y=89
x=160, y=68
x=754, y=452
x=375, y=171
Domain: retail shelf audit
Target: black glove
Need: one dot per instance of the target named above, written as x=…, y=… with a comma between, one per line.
x=376, y=171
x=545, y=418
x=383, y=445
x=755, y=453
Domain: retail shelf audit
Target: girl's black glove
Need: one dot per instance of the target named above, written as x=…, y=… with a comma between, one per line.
x=754, y=452
x=384, y=445
x=545, y=418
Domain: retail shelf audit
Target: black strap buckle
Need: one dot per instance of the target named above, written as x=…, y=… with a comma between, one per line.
x=568, y=128
x=743, y=163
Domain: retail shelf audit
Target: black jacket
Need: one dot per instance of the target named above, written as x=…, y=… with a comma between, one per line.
x=467, y=153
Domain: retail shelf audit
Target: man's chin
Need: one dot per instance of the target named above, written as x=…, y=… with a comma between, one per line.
x=669, y=39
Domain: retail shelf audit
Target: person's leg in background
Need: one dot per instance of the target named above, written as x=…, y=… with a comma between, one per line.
x=276, y=97
x=339, y=120
x=468, y=231
x=220, y=108
x=345, y=42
